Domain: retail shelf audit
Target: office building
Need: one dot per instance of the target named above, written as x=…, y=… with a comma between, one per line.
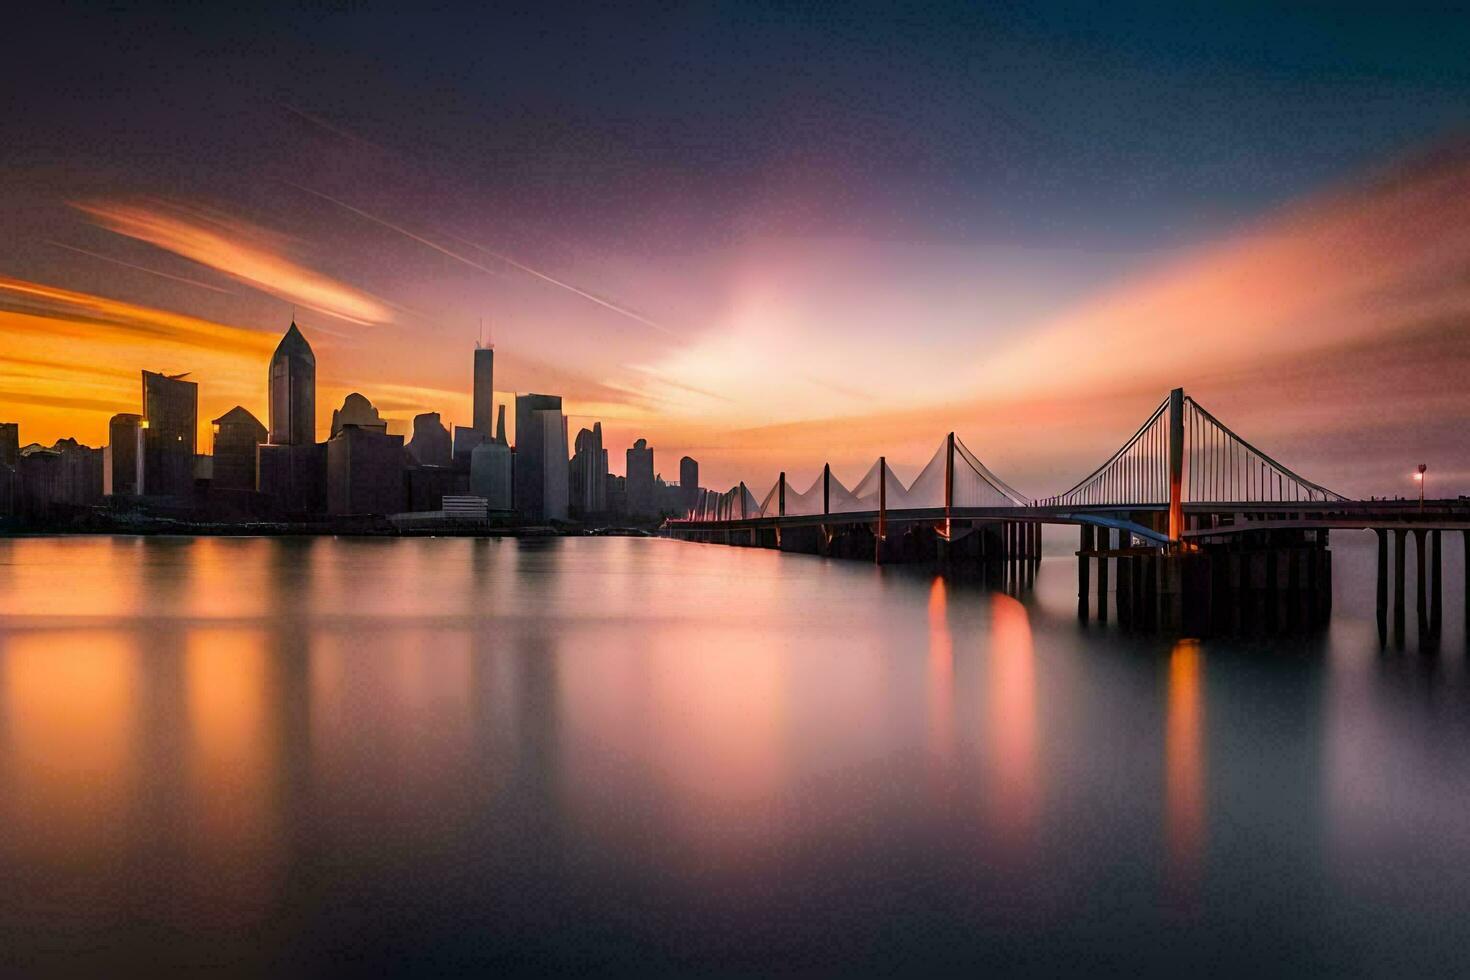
x=57, y=481
x=466, y=438
x=364, y=472
x=9, y=443
x=589, y=473
x=292, y=391
x=171, y=414
x=484, y=392
x=688, y=484
x=237, y=433
x=430, y=445
x=357, y=410
x=556, y=474
x=122, y=458
x=536, y=415
x=294, y=476
x=640, y=493
x=492, y=469
x=491, y=475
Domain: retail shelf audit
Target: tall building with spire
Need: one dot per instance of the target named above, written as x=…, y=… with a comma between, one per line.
x=485, y=390
x=293, y=391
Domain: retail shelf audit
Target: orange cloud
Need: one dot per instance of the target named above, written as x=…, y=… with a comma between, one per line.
x=239, y=249
x=71, y=360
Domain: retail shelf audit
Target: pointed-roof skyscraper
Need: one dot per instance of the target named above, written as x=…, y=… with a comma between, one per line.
x=293, y=391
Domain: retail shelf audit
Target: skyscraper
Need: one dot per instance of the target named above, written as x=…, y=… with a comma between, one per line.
x=492, y=469
x=293, y=391
x=236, y=434
x=532, y=455
x=122, y=459
x=641, y=502
x=171, y=425
x=688, y=483
x=357, y=410
x=430, y=445
x=364, y=472
x=485, y=390
x=555, y=495
x=9, y=443
x=589, y=472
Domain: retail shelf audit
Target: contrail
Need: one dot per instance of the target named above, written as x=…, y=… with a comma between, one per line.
x=334, y=130
x=570, y=288
x=621, y=311
x=402, y=231
x=139, y=268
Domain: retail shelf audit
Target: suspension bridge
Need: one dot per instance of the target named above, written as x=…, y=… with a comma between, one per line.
x=1199, y=530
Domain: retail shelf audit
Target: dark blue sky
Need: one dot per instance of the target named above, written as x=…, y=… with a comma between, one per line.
x=1100, y=125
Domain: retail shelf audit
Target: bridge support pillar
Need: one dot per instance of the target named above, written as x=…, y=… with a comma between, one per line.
x=1125, y=589
x=1382, y=536
x=1105, y=544
x=1398, y=586
x=1421, y=605
x=1084, y=566
x=1436, y=592
x=1420, y=597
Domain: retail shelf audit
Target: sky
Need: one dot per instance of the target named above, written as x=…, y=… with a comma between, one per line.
x=769, y=236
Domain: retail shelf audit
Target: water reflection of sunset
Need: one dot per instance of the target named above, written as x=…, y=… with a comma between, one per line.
x=70, y=699
x=1011, y=687
x=233, y=759
x=1184, y=764
x=941, y=676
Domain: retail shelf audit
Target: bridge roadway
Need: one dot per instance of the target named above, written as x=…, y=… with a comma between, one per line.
x=1202, y=520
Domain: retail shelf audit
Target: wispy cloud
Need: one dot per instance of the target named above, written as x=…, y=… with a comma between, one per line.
x=239, y=249
x=68, y=359
x=37, y=308
x=139, y=268
x=501, y=257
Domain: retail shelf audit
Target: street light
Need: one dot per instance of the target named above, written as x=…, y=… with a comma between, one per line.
x=1419, y=476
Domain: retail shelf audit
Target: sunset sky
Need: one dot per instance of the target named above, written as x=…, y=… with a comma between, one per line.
x=764, y=237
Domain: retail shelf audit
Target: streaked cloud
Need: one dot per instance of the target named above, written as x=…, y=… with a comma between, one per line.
x=139, y=268
x=239, y=249
x=69, y=360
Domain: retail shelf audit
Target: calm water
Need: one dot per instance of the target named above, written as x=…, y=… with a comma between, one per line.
x=297, y=755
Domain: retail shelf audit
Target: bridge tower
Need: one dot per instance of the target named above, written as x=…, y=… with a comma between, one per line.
x=1176, y=466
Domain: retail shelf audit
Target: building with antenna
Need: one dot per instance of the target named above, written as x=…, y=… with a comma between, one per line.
x=484, y=393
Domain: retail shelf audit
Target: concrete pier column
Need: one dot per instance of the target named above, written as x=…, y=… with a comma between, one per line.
x=1382, y=536
x=1104, y=539
x=1421, y=597
x=1436, y=592
x=1398, y=586
x=1084, y=566
x=1124, y=590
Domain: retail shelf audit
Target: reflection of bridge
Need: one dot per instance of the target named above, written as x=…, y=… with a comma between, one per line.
x=1204, y=530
